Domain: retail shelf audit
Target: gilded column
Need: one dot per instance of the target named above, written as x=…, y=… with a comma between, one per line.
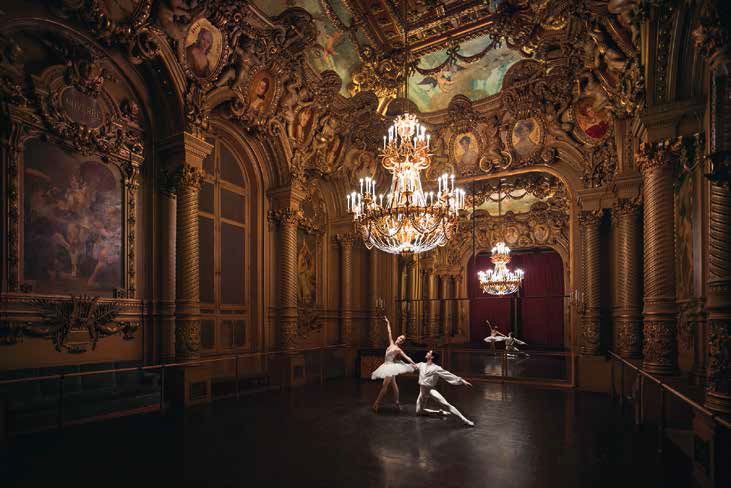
x=444, y=302
x=459, y=306
x=187, y=287
x=288, y=219
x=712, y=40
x=659, y=348
x=346, y=286
x=591, y=317
x=374, y=331
x=167, y=266
x=626, y=216
x=412, y=277
x=433, y=304
x=718, y=304
x=183, y=154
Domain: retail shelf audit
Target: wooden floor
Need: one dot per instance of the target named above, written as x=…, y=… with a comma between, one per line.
x=327, y=436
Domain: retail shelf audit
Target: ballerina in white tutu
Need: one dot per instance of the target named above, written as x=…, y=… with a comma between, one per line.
x=494, y=337
x=391, y=368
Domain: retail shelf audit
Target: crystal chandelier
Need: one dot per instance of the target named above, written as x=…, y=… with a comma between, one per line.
x=407, y=219
x=500, y=280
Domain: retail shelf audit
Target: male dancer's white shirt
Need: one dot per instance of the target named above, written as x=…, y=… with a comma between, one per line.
x=429, y=375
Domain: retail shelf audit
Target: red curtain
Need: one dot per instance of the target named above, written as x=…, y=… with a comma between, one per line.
x=537, y=311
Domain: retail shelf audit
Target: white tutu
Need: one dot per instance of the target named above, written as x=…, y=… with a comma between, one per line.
x=494, y=338
x=391, y=369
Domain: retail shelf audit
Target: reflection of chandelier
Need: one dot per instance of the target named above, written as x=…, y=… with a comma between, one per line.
x=410, y=220
x=500, y=280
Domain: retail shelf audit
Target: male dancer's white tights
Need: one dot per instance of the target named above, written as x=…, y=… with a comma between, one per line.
x=425, y=392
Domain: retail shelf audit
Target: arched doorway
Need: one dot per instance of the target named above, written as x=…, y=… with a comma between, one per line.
x=535, y=313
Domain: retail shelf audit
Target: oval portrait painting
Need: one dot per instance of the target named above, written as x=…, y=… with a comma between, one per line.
x=203, y=47
x=466, y=150
x=261, y=93
x=526, y=137
x=593, y=121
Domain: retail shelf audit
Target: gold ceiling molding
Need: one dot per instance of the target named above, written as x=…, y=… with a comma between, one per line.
x=255, y=73
x=545, y=225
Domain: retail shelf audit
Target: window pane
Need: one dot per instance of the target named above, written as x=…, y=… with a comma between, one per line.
x=232, y=264
x=208, y=338
x=233, y=206
x=227, y=334
x=230, y=168
x=239, y=333
x=205, y=258
x=205, y=198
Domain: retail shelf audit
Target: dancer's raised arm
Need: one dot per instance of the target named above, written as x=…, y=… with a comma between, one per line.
x=411, y=361
x=388, y=326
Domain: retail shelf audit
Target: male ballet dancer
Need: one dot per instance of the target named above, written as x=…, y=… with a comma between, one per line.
x=429, y=374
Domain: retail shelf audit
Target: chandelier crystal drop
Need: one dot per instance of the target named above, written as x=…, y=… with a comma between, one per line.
x=500, y=280
x=406, y=219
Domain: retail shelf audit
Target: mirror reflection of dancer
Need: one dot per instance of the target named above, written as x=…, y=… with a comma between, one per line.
x=510, y=347
x=429, y=374
x=494, y=337
x=391, y=368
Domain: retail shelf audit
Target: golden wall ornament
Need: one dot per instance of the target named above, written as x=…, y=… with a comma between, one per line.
x=74, y=325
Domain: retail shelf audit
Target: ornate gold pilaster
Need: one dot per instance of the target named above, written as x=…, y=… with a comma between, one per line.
x=589, y=222
x=184, y=153
x=660, y=311
x=346, y=298
x=288, y=220
x=376, y=322
x=626, y=216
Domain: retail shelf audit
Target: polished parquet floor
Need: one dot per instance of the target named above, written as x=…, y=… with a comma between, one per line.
x=327, y=436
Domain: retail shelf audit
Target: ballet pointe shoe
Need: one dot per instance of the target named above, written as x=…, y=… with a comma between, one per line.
x=398, y=406
x=375, y=407
x=469, y=423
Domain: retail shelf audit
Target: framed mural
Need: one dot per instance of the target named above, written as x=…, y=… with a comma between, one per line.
x=465, y=150
x=526, y=138
x=260, y=94
x=593, y=123
x=204, y=50
x=72, y=221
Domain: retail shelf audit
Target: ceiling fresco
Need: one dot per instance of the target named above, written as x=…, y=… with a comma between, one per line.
x=477, y=80
x=474, y=68
x=335, y=50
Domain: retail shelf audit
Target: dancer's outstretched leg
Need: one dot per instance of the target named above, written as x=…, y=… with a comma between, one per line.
x=421, y=402
x=384, y=389
x=438, y=397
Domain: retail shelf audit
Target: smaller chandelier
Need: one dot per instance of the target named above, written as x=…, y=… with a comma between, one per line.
x=500, y=280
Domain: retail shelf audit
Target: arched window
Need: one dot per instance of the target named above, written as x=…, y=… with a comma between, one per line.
x=224, y=254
